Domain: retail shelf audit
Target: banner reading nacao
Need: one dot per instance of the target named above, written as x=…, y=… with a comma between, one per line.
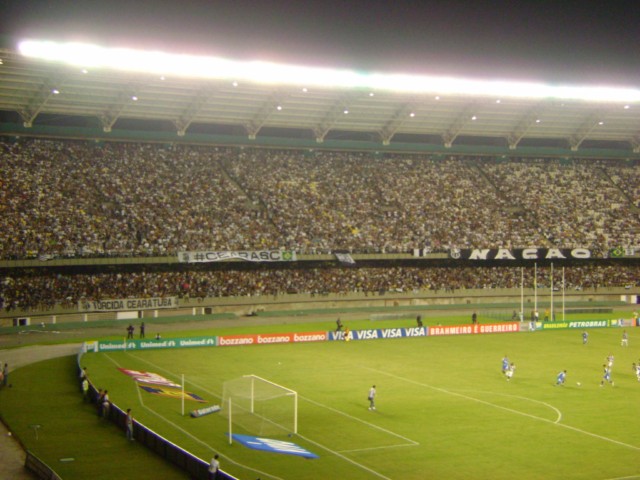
x=120, y=304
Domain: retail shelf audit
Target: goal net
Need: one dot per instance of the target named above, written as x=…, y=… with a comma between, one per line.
x=259, y=407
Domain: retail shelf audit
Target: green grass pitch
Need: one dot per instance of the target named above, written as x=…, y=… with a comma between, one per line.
x=444, y=409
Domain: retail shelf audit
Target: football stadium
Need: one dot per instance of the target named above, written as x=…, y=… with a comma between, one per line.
x=285, y=272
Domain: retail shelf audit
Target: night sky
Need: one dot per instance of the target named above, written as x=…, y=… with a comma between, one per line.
x=577, y=42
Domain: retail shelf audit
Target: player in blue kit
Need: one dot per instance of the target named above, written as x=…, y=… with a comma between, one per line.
x=561, y=378
x=606, y=376
x=505, y=364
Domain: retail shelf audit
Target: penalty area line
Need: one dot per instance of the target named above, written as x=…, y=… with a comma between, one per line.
x=369, y=424
x=337, y=454
x=343, y=457
x=386, y=447
x=456, y=394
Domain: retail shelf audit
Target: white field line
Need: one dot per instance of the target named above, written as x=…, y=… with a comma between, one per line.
x=333, y=452
x=449, y=392
x=346, y=459
x=337, y=454
x=194, y=438
x=301, y=397
x=370, y=425
x=532, y=400
x=385, y=447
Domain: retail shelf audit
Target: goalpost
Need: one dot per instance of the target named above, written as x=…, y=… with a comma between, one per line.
x=259, y=406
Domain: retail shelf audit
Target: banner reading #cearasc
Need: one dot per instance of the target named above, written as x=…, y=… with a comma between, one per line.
x=204, y=256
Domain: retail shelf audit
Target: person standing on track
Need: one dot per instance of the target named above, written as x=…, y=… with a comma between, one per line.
x=129, y=425
x=214, y=467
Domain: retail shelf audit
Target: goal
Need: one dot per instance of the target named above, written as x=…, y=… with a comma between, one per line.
x=259, y=407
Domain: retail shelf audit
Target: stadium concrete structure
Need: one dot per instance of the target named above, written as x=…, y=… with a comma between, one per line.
x=35, y=94
x=45, y=99
x=41, y=98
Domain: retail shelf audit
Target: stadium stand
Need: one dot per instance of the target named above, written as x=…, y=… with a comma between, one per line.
x=87, y=199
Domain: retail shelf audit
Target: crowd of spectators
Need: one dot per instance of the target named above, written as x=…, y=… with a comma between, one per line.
x=46, y=291
x=63, y=198
x=82, y=198
x=575, y=204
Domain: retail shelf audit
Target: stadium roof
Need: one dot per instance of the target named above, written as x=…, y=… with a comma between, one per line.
x=40, y=91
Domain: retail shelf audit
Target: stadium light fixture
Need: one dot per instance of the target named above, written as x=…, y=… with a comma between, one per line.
x=89, y=56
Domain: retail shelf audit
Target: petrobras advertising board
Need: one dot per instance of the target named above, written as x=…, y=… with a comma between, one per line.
x=579, y=324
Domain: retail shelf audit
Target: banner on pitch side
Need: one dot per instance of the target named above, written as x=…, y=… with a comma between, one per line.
x=474, y=329
x=270, y=338
x=581, y=324
x=273, y=445
x=204, y=256
x=158, y=385
x=115, y=345
x=378, y=333
x=171, y=393
x=149, y=377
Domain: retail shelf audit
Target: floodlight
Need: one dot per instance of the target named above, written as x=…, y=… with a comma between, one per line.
x=87, y=56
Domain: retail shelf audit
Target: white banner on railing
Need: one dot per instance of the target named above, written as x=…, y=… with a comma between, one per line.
x=248, y=255
x=115, y=304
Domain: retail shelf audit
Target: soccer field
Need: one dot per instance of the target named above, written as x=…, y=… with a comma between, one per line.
x=444, y=409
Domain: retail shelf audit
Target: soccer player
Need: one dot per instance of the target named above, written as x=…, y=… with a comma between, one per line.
x=561, y=378
x=510, y=371
x=610, y=361
x=505, y=364
x=347, y=334
x=585, y=337
x=636, y=370
x=625, y=339
x=372, y=398
x=606, y=376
